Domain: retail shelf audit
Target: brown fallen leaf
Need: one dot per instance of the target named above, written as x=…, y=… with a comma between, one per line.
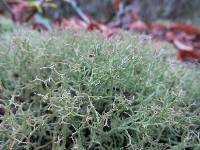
x=139, y=26
x=185, y=55
x=106, y=31
x=187, y=28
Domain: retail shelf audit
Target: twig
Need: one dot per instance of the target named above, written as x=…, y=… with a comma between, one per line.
x=78, y=10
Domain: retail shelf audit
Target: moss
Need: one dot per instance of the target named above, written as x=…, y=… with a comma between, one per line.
x=56, y=96
x=6, y=24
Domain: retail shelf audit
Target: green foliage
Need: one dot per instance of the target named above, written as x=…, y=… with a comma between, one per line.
x=64, y=90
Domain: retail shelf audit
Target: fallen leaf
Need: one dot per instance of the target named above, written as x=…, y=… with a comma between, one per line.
x=186, y=55
x=182, y=45
x=187, y=28
x=139, y=26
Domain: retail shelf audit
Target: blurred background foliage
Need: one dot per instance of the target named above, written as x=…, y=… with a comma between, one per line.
x=186, y=11
x=150, y=10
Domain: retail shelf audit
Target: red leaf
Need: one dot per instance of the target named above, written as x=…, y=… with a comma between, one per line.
x=185, y=55
x=187, y=28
